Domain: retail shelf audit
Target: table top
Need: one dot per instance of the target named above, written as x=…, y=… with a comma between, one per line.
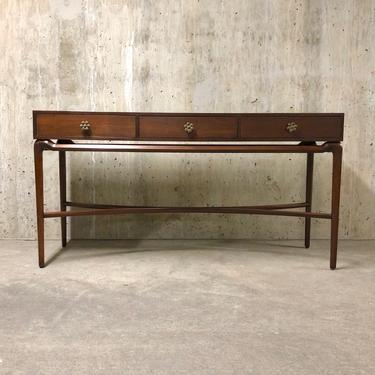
x=159, y=126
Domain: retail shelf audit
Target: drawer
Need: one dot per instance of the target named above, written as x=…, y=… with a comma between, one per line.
x=291, y=127
x=84, y=126
x=188, y=127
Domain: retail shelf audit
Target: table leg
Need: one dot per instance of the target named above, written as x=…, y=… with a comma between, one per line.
x=309, y=187
x=38, y=160
x=335, y=201
x=62, y=175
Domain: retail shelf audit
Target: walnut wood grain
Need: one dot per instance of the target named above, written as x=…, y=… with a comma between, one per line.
x=307, y=128
x=67, y=126
x=172, y=127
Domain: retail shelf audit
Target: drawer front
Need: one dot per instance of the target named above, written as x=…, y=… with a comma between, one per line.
x=188, y=127
x=81, y=126
x=293, y=128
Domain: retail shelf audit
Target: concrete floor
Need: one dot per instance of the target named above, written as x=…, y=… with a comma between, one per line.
x=187, y=307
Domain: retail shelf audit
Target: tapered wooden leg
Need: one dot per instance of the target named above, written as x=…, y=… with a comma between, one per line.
x=309, y=187
x=38, y=160
x=335, y=201
x=62, y=175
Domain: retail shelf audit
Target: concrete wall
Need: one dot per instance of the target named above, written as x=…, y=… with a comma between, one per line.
x=220, y=56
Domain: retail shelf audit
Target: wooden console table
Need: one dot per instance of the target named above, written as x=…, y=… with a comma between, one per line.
x=307, y=129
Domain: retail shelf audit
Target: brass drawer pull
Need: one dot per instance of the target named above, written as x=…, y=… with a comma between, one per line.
x=85, y=126
x=189, y=127
x=291, y=127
